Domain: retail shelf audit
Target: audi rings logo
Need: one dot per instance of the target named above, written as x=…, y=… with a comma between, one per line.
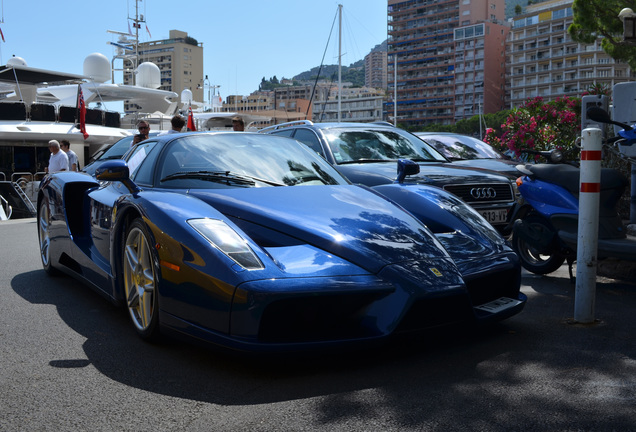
x=483, y=193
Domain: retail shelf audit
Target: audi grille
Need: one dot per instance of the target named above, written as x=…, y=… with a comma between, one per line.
x=482, y=193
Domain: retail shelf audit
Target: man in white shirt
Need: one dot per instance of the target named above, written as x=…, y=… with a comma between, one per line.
x=58, y=160
x=72, y=156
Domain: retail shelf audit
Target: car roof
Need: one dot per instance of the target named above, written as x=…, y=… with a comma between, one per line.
x=444, y=134
x=330, y=125
x=348, y=125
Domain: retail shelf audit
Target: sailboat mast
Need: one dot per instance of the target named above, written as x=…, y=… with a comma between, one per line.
x=339, y=63
x=136, y=41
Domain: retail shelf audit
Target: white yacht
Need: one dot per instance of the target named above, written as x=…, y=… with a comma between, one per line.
x=38, y=105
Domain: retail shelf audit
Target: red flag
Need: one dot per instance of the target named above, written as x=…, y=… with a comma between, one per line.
x=190, y=125
x=2, y=34
x=81, y=106
x=148, y=30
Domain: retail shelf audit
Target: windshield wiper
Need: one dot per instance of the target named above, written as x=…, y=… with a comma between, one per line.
x=426, y=160
x=361, y=161
x=220, y=177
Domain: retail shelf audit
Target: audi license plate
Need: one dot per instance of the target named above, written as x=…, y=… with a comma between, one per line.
x=495, y=216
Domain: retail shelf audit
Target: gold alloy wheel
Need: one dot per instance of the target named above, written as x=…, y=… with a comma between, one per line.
x=140, y=281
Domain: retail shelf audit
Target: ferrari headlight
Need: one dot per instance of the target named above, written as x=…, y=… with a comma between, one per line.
x=224, y=238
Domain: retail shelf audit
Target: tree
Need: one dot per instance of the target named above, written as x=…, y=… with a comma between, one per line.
x=593, y=19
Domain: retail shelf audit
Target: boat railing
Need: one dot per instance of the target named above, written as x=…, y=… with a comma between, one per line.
x=5, y=209
x=27, y=186
x=4, y=176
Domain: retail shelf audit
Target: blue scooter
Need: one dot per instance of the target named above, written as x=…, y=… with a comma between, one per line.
x=545, y=230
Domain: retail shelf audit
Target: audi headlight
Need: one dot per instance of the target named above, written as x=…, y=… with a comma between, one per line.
x=224, y=238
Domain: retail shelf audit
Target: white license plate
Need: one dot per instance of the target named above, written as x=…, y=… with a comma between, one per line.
x=494, y=216
x=501, y=304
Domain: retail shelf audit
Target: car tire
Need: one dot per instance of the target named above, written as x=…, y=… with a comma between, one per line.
x=141, y=279
x=531, y=259
x=44, y=238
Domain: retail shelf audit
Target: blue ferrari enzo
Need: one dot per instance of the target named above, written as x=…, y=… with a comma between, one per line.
x=254, y=242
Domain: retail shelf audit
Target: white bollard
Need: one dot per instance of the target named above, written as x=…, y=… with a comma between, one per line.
x=587, y=241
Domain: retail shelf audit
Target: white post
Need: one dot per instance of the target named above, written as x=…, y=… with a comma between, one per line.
x=587, y=241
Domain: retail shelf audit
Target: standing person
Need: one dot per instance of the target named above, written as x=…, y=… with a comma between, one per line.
x=72, y=156
x=238, y=124
x=58, y=160
x=177, y=123
x=144, y=129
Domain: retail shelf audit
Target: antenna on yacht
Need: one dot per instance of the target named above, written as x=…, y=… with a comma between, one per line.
x=136, y=24
x=128, y=44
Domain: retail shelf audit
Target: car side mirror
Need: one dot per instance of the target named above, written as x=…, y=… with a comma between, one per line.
x=116, y=170
x=406, y=167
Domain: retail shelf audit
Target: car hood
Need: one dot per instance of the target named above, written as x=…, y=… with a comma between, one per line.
x=348, y=221
x=436, y=174
x=505, y=167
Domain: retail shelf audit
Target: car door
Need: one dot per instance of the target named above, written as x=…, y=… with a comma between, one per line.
x=101, y=202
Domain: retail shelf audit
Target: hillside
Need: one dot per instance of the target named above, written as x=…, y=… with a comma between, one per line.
x=354, y=73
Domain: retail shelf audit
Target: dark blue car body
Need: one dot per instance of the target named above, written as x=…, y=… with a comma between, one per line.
x=366, y=153
x=269, y=248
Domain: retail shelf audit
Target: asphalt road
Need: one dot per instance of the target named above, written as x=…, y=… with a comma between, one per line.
x=69, y=361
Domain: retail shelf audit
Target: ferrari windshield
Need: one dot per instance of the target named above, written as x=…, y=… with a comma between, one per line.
x=241, y=160
x=354, y=145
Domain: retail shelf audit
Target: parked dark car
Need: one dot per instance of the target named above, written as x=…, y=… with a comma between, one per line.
x=112, y=152
x=254, y=242
x=366, y=153
x=464, y=150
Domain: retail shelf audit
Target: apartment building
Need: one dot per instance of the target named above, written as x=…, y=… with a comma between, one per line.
x=545, y=61
x=450, y=57
x=357, y=105
x=180, y=61
x=421, y=46
x=375, y=69
x=480, y=69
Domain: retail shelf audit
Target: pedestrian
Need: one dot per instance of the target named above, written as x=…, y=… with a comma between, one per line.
x=144, y=129
x=177, y=123
x=73, y=164
x=58, y=160
x=238, y=124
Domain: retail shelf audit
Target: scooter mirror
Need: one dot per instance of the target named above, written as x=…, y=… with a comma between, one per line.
x=598, y=115
x=556, y=156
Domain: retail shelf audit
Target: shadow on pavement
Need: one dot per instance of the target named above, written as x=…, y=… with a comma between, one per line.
x=533, y=371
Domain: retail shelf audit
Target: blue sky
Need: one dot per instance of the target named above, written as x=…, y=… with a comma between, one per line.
x=243, y=41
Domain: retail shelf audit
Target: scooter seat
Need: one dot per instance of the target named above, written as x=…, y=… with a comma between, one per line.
x=568, y=176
